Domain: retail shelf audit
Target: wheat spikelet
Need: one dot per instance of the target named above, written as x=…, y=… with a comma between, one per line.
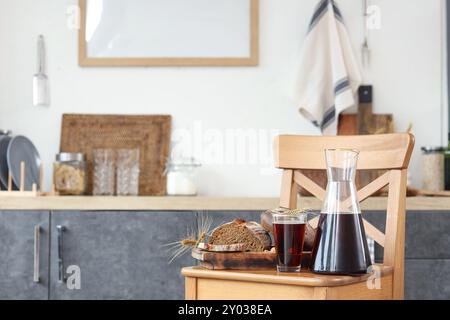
x=192, y=239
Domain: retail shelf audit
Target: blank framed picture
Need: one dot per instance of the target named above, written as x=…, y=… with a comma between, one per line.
x=169, y=33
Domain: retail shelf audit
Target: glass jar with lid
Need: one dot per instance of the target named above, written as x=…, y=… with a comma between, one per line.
x=181, y=177
x=70, y=173
x=433, y=168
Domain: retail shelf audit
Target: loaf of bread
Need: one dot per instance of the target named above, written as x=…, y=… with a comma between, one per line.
x=249, y=233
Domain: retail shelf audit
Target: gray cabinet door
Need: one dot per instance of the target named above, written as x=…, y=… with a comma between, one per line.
x=120, y=255
x=427, y=253
x=17, y=255
x=427, y=279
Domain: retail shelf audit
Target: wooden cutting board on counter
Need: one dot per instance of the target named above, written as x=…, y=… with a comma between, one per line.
x=363, y=122
x=369, y=122
x=149, y=133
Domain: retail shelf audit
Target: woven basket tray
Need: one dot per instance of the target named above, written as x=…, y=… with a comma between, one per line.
x=150, y=134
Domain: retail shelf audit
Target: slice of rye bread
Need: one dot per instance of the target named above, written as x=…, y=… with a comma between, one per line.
x=250, y=233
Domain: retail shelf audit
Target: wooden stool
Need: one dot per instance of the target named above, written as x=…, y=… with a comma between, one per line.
x=388, y=152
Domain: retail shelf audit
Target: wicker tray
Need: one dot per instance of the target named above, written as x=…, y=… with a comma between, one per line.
x=151, y=134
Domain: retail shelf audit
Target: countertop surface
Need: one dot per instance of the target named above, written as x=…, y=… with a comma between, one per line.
x=199, y=203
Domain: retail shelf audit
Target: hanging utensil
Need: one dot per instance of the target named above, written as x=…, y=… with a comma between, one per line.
x=365, y=53
x=41, y=95
x=365, y=50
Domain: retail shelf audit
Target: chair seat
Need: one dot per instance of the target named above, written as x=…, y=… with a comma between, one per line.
x=304, y=278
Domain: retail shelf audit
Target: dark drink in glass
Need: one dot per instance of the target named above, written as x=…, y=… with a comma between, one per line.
x=289, y=235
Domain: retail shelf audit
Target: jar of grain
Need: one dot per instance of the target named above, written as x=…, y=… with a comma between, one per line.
x=433, y=168
x=69, y=173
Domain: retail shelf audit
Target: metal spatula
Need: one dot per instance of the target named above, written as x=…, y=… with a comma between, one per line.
x=41, y=94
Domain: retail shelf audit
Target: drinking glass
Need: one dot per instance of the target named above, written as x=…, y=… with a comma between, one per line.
x=127, y=172
x=103, y=172
x=289, y=235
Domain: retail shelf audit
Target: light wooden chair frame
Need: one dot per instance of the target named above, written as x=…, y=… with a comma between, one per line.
x=390, y=152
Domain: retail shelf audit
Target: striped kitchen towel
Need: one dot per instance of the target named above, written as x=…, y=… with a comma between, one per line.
x=328, y=75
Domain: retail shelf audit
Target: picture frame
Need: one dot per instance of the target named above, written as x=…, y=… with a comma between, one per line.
x=238, y=41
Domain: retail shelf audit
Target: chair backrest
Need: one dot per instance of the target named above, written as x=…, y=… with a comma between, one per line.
x=390, y=152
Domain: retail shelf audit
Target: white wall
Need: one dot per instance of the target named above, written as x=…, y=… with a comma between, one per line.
x=405, y=72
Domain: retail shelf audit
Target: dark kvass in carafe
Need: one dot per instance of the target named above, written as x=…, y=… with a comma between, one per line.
x=340, y=244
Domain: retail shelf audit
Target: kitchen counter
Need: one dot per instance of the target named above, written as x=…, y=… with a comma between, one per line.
x=124, y=239
x=196, y=203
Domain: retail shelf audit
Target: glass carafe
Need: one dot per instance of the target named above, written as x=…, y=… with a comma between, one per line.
x=340, y=244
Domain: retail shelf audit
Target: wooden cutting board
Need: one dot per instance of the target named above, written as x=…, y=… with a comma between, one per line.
x=365, y=121
x=368, y=122
x=149, y=133
x=235, y=260
x=239, y=260
x=348, y=124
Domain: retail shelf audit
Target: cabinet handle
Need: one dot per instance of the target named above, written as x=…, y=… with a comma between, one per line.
x=37, y=252
x=61, y=276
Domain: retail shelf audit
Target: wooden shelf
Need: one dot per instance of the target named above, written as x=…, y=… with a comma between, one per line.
x=195, y=203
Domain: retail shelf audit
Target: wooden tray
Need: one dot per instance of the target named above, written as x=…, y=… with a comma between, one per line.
x=239, y=260
x=151, y=134
x=235, y=260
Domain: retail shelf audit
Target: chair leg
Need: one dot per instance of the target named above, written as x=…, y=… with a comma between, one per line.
x=190, y=288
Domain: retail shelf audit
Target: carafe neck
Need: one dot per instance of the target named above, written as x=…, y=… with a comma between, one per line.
x=341, y=195
x=335, y=174
x=341, y=164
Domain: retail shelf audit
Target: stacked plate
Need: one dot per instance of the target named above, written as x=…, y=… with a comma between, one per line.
x=13, y=151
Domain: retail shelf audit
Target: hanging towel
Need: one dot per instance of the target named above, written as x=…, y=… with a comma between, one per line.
x=328, y=75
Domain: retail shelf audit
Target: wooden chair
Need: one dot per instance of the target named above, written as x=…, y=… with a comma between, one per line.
x=389, y=152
